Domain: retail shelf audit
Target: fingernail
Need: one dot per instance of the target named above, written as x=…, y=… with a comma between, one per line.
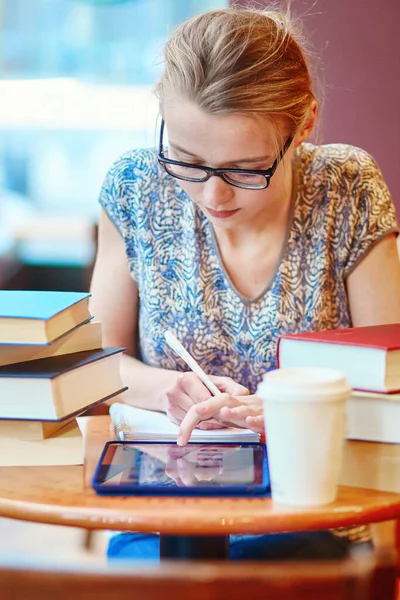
x=180, y=440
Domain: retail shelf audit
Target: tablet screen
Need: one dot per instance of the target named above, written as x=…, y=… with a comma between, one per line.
x=195, y=465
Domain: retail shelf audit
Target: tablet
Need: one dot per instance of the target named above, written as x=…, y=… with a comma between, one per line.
x=197, y=469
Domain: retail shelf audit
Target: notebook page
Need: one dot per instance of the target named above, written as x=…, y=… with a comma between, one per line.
x=138, y=423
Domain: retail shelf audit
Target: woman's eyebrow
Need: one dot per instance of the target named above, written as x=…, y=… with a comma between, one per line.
x=180, y=149
x=236, y=161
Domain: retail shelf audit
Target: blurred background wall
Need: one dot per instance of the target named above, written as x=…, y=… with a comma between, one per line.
x=357, y=43
x=76, y=81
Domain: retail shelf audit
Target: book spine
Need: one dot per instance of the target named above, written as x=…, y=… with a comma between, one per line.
x=306, y=336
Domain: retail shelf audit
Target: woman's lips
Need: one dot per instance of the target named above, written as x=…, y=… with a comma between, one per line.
x=222, y=214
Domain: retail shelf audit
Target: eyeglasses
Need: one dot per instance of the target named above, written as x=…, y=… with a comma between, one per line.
x=249, y=179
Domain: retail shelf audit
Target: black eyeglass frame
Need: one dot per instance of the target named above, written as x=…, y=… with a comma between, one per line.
x=211, y=171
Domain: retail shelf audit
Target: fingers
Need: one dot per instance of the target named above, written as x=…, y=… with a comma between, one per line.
x=176, y=414
x=210, y=424
x=256, y=424
x=252, y=400
x=229, y=386
x=237, y=416
x=187, y=391
x=202, y=412
x=193, y=387
x=242, y=411
x=178, y=403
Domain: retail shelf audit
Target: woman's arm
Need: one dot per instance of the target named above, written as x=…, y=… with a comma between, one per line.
x=114, y=302
x=373, y=287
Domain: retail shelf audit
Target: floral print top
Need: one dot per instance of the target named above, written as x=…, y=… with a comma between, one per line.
x=340, y=208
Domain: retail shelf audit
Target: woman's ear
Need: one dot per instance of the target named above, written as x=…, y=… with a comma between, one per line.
x=309, y=126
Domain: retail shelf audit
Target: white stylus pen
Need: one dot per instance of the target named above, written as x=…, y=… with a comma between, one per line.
x=189, y=360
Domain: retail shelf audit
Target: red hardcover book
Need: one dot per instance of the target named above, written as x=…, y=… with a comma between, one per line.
x=369, y=356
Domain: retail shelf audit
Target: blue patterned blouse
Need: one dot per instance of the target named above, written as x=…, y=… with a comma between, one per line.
x=340, y=208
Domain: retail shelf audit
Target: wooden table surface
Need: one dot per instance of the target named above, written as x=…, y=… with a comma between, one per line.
x=63, y=496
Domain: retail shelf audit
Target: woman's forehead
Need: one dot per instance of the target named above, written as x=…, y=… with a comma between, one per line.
x=190, y=129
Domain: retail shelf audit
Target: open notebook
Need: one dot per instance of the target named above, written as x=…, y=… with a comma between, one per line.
x=131, y=423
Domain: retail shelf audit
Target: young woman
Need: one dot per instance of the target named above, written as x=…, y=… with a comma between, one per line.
x=238, y=230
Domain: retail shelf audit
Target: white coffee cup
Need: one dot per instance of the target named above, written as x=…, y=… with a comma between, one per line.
x=304, y=413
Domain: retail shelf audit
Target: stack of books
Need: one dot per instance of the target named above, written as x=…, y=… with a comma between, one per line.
x=370, y=358
x=52, y=369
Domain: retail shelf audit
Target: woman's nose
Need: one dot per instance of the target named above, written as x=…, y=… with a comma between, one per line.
x=216, y=192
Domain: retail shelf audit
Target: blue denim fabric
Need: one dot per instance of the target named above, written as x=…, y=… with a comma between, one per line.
x=280, y=546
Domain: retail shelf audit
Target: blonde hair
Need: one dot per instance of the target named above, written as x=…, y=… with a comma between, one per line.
x=239, y=60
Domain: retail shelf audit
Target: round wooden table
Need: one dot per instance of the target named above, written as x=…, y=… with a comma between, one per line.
x=193, y=526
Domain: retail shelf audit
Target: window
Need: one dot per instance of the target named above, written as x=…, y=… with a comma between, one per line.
x=75, y=92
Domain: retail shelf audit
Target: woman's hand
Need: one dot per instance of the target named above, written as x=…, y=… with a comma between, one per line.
x=225, y=409
x=189, y=391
